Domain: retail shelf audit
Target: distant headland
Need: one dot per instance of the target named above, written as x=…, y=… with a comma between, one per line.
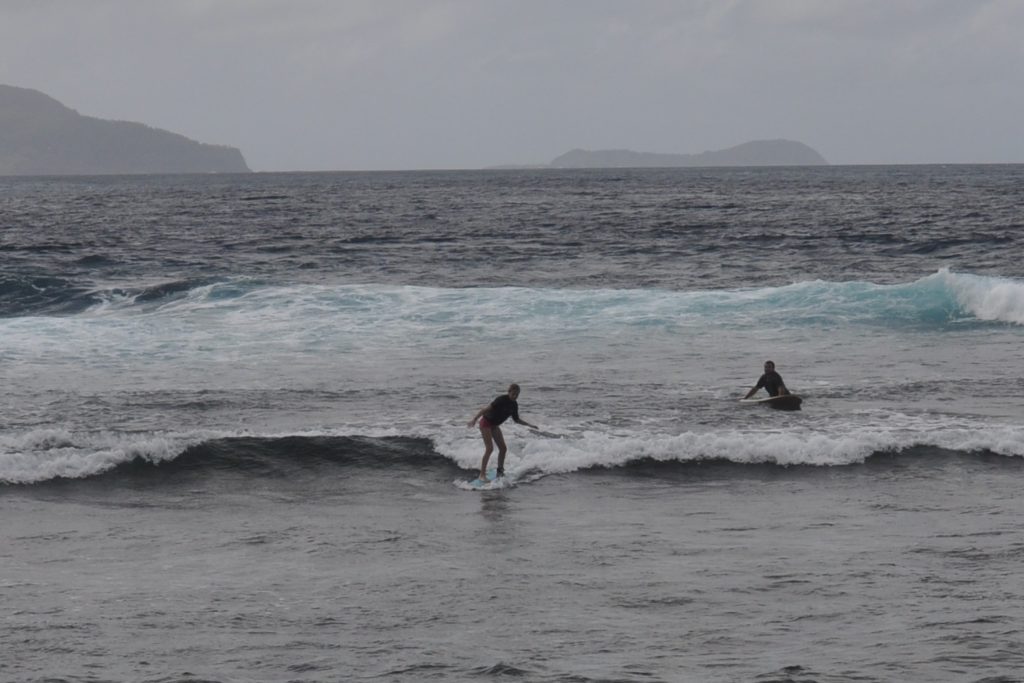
x=40, y=136
x=754, y=153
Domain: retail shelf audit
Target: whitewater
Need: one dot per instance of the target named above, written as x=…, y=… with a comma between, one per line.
x=277, y=338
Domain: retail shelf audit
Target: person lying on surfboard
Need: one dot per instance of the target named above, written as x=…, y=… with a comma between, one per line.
x=491, y=416
x=771, y=381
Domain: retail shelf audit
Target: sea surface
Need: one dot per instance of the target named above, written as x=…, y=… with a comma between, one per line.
x=234, y=442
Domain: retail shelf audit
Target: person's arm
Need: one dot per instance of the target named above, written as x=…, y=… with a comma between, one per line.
x=477, y=416
x=760, y=383
x=519, y=420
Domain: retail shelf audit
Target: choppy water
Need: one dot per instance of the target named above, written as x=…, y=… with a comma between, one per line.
x=236, y=405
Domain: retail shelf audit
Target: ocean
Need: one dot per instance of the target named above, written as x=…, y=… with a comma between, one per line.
x=234, y=438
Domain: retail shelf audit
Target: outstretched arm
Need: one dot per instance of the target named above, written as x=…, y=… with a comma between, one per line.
x=751, y=392
x=521, y=421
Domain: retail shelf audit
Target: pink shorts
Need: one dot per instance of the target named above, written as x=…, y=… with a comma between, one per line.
x=485, y=423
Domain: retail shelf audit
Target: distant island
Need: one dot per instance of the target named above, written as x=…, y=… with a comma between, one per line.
x=755, y=153
x=40, y=136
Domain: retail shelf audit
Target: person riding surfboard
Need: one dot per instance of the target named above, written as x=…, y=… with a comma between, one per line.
x=491, y=416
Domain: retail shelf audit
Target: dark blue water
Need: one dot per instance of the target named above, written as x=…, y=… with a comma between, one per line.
x=235, y=408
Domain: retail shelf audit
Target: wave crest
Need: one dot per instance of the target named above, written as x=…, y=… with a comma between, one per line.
x=937, y=300
x=993, y=299
x=46, y=455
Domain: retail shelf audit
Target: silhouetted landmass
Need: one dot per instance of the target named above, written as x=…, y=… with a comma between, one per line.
x=756, y=153
x=40, y=136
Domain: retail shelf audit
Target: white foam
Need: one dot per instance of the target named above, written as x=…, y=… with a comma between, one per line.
x=988, y=298
x=847, y=445
x=41, y=455
x=273, y=326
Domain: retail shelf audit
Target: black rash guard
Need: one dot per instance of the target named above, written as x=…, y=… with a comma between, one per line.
x=772, y=383
x=501, y=409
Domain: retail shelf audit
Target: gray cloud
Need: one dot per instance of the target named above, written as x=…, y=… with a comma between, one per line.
x=318, y=84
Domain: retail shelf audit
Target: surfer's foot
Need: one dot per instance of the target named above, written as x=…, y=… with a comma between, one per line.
x=500, y=472
x=483, y=477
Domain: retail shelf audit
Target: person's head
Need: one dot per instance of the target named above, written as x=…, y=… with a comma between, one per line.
x=769, y=366
x=513, y=391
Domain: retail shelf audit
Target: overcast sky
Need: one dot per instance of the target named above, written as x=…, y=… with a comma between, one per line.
x=400, y=84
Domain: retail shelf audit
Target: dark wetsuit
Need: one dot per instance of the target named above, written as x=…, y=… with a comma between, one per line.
x=772, y=383
x=501, y=409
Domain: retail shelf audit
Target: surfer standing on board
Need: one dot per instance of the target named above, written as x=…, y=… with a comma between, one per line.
x=771, y=381
x=491, y=416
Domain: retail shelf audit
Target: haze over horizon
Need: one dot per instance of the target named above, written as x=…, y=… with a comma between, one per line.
x=404, y=84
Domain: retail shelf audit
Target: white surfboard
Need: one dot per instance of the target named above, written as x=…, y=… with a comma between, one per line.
x=493, y=482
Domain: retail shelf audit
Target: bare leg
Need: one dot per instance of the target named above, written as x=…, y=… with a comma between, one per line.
x=488, y=447
x=499, y=438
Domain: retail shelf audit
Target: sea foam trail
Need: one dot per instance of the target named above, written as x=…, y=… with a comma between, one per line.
x=239, y=311
x=44, y=455
x=937, y=299
x=40, y=455
x=850, y=446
